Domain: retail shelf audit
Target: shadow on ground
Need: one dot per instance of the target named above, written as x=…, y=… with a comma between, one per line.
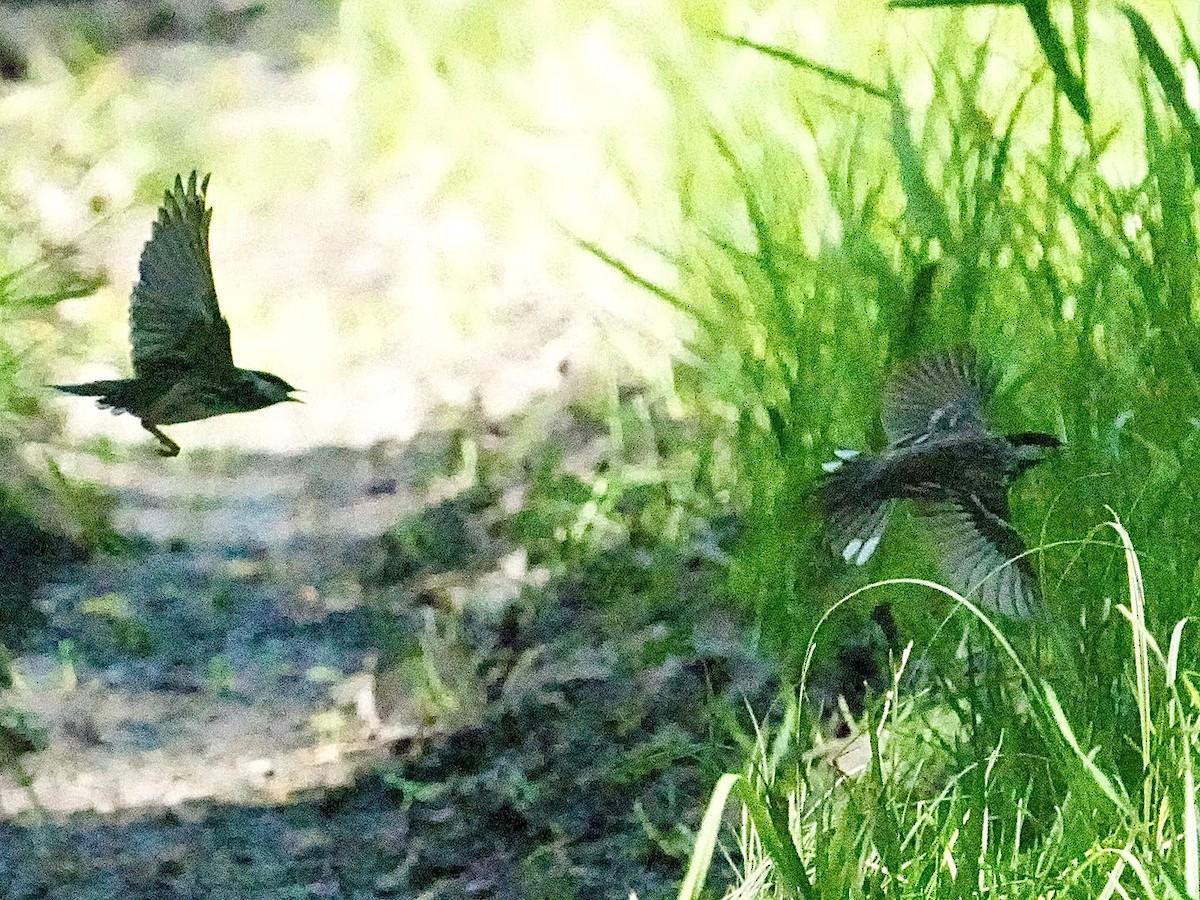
x=337, y=675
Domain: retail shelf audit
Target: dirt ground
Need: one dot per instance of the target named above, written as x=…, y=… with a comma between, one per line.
x=253, y=568
x=215, y=727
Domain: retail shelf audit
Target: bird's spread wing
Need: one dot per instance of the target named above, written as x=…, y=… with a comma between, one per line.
x=975, y=539
x=174, y=320
x=938, y=393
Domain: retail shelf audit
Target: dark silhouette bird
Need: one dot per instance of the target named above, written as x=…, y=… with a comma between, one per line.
x=182, y=361
x=942, y=456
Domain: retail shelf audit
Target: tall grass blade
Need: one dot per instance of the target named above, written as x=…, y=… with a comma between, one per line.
x=800, y=62
x=1168, y=282
x=646, y=284
x=930, y=4
x=1055, y=50
x=1189, y=46
x=778, y=846
x=1168, y=79
x=706, y=838
x=781, y=315
x=1141, y=658
x=1191, y=858
x=1085, y=759
x=925, y=205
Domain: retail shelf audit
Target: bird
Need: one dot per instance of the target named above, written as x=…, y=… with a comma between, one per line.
x=182, y=359
x=943, y=457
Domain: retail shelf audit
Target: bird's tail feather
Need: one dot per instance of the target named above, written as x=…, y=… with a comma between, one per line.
x=855, y=527
x=90, y=389
x=855, y=532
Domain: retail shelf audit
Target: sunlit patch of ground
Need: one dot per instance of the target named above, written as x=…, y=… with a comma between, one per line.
x=208, y=749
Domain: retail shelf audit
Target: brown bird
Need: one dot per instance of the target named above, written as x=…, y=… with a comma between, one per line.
x=182, y=360
x=942, y=456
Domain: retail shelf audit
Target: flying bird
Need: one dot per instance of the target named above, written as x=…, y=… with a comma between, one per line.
x=942, y=456
x=182, y=361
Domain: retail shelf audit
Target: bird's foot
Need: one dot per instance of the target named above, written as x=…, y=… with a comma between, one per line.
x=167, y=446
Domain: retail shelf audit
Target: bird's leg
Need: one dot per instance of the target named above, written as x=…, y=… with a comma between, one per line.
x=169, y=447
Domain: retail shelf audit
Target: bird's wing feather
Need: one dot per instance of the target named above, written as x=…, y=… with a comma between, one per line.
x=938, y=393
x=975, y=539
x=174, y=320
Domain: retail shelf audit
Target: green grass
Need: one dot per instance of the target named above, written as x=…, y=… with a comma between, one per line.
x=938, y=809
x=831, y=225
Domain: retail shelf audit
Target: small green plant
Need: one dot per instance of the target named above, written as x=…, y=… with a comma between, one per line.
x=39, y=494
x=219, y=676
x=125, y=631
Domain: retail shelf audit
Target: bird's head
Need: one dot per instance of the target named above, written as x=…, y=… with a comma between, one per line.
x=264, y=389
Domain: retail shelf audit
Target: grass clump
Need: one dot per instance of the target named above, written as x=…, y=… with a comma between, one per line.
x=934, y=796
x=833, y=225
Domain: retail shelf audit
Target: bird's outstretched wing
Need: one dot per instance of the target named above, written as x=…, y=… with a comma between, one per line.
x=938, y=393
x=175, y=323
x=975, y=539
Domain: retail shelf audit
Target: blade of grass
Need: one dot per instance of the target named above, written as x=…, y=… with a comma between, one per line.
x=830, y=74
x=1055, y=50
x=1189, y=46
x=779, y=847
x=656, y=289
x=1173, y=241
x=1191, y=857
x=925, y=204
x=930, y=4
x=1102, y=781
x=782, y=316
x=1141, y=658
x=1168, y=79
x=1081, y=31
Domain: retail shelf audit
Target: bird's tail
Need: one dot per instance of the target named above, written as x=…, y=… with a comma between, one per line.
x=89, y=389
x=855, y=526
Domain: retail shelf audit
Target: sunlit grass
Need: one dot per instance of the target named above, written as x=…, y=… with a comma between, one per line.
x=925, y=813
x=926, y=218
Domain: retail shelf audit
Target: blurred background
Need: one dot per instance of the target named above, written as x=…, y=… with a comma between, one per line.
x=580, y=296
x=394, y=192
